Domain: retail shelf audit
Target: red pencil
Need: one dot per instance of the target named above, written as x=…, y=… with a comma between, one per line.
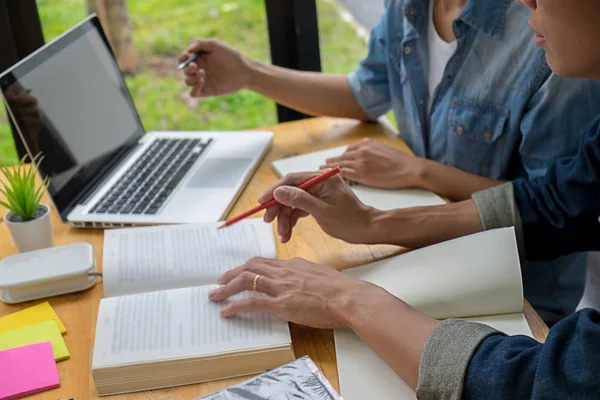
x=311, y=182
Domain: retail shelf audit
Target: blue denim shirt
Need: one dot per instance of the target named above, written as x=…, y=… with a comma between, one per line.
x=560, y=214
x=519, y=368
x=560, y=211
x=498, y=112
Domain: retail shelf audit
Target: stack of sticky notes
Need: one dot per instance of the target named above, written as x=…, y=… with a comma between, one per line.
x=26, y=370
x=31, y=343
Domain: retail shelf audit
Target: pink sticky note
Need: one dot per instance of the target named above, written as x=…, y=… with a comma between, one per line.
x=27, y=370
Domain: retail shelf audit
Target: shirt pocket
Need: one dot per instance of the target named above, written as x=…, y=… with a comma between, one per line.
x=475, y=142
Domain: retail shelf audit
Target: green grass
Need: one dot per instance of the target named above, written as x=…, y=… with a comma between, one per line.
x=163, y=28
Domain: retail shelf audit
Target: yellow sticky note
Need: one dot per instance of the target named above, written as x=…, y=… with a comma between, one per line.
x=29, y=316
x=46, y=331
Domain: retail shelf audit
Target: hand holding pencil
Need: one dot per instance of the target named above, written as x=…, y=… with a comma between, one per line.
x=268, y=204
x=331, y=202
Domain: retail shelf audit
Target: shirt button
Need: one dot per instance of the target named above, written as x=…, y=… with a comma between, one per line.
x=460, y=130
x=407, y=50
x=421, y=102
x=456, y=102
x=413, y=11
x=487, y=135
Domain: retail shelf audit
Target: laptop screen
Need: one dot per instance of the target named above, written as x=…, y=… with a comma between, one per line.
x=70, y=104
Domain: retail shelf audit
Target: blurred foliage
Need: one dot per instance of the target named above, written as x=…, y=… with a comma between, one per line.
x=163, y=28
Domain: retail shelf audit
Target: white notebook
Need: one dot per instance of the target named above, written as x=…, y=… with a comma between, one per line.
x=378, y=198
x=477, y=277
x=157, y=328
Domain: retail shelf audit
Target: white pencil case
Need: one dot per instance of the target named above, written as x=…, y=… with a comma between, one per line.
x=47, y=272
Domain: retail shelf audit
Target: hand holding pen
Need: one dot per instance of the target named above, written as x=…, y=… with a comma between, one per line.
x=330, y=202
x=309, y=183
x=213, y=68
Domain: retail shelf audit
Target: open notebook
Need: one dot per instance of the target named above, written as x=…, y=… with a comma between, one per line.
x=378, y=198
x=157, y=328
x=476, y=277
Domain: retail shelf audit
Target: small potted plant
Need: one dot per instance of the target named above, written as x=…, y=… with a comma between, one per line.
x=28, y=221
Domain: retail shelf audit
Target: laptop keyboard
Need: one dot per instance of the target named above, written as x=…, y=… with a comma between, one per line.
x=153, y=177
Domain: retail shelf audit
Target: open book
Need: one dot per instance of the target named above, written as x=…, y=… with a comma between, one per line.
x=378, y=198
x=476, y=277
x=157, y=328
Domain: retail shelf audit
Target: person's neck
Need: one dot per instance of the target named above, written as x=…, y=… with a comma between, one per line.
x=445, y=12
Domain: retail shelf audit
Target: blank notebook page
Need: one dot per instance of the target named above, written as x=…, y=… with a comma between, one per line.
x=27, y=370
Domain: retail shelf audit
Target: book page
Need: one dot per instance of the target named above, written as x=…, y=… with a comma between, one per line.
x=363, y=374
x=472, y=276
x=175, y=324
x=476, y=277
x=377, y=198
x=138, y=260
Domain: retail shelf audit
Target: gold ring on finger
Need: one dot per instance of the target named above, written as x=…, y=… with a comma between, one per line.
x=255, y=283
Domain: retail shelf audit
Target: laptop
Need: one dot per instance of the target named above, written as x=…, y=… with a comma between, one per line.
x=70, y=104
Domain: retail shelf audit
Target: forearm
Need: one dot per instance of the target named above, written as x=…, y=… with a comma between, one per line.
x=391, y=328
x=450, y=182
x=423, y=226
x=311, y=93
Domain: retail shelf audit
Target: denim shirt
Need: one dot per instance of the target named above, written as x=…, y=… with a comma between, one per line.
x=560, y=214
x=519, y=368
x=498, y=112
x=560, y=211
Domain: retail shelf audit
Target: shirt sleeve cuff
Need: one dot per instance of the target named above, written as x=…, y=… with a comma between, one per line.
x=497, y=208
x=362, y=96
x=446, y=356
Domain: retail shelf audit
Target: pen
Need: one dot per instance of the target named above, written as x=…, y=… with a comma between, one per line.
x=191, y=58
x=311, y=182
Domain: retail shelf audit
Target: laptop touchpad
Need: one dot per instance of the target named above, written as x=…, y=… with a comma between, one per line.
x=219, y=173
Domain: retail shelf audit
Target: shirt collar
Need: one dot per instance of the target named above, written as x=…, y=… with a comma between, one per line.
x=488, y=16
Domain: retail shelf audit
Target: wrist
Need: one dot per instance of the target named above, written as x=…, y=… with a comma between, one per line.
x=384, y=226
x=425, y=173
x=356, y=304
x=253, y=73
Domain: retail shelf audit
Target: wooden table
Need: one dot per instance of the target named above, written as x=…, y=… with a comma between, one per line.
x=79, y=311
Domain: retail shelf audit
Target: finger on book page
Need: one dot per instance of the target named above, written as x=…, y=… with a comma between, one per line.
x=261, y=304
x=241, y=283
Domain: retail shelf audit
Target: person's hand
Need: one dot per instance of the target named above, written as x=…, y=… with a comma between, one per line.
x=371, y=163
x=222, y=70
x=332, y=203
x=298, y=291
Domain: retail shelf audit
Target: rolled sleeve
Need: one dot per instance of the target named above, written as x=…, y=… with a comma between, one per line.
x=498, y=209
x=446, y=356
x=370, y=81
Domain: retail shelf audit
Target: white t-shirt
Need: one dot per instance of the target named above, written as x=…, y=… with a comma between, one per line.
x=440, y=53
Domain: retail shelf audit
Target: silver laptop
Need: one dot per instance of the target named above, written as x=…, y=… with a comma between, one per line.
x=69, y=102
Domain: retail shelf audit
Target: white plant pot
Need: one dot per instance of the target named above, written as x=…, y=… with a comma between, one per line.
x=31, y=235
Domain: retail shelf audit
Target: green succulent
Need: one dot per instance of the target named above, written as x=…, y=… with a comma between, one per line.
x=19, y=188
